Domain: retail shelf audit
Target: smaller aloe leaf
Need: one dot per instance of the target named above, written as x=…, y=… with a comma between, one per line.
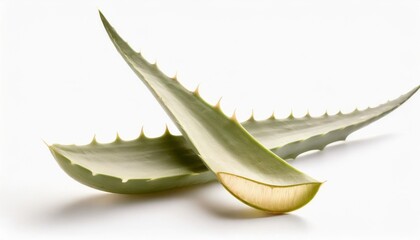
x=242, y=165
x=143, y=165
x=146, y=164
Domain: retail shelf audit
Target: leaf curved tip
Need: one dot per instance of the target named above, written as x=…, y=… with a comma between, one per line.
x=413, y=91
x=46, y=143
x=274, y=199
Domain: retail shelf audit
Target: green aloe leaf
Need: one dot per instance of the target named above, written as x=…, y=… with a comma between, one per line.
x=248, y=170
x=146, y=164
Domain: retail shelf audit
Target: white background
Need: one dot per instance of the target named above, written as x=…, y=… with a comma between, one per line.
x=62, y=81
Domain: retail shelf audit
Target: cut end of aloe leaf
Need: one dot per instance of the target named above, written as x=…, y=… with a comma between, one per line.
x=275, y=199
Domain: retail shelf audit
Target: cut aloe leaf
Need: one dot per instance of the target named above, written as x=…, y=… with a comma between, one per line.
x=248, y=170
x=146, y=164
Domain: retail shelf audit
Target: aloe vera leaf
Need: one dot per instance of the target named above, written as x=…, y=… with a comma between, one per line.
x=299, y=135
x=248, y=170
x=154, y=164
x=142, y=165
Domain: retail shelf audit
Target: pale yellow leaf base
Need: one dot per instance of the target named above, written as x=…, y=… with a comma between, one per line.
x=275, y=199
